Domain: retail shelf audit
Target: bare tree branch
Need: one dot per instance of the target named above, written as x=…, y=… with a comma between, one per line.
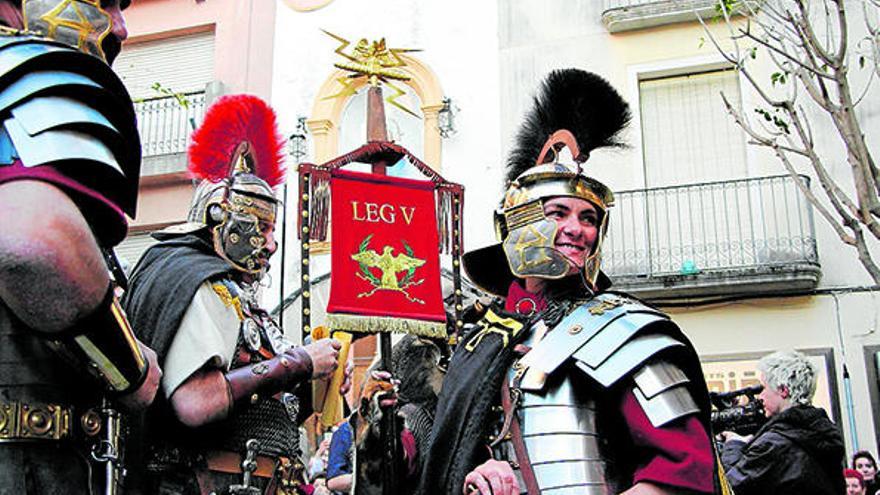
x=789, y=31
x=780, y=153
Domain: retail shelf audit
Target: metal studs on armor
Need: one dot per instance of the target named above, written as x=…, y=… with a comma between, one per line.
x=39, y=422
x=260, y=369
x=251, y=333
x=91, y=423
x=277, y=341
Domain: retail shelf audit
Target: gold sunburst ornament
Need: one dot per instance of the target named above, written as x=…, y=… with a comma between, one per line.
x=79, y=23
x=374, y=61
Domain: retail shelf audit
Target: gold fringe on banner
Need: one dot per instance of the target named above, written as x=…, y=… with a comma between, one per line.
x=376, y=324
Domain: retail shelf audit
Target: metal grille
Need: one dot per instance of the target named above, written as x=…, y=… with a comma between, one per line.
x=740, y=224
x=166, y=123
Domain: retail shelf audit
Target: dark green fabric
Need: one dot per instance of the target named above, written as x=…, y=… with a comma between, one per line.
x=163, y=284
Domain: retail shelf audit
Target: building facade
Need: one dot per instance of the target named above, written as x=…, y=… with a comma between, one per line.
x=180, y=55
x=705, y=224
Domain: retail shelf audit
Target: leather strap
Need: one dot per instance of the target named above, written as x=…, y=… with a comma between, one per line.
x=271, y=376
x=511, y=421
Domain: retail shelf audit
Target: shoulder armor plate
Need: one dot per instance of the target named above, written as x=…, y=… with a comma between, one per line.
x=625, y=358
x=58, y=105
x=661, y=388
x=586, y=324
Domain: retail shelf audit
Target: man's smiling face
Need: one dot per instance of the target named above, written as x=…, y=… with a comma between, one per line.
x=577, y=222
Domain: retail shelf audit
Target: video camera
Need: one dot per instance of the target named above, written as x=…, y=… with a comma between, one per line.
x=729, y=414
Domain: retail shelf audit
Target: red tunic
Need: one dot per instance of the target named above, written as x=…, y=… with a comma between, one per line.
x=106, y=218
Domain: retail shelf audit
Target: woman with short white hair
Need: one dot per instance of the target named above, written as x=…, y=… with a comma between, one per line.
x=799, y=451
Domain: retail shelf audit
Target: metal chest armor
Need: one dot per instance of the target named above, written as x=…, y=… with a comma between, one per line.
x=608, y=339
x=60, y=106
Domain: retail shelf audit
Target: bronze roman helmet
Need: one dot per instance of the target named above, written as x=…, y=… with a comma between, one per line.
x=238, y=154
x=574, y=113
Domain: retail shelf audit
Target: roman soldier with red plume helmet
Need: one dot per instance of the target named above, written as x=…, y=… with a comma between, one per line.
x=238, y=154
x=231, y=384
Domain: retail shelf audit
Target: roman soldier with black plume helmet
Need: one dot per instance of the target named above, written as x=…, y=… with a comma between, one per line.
x=598, y=392
x=231, y=376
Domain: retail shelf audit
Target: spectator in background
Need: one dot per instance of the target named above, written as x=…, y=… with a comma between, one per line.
x=318, y=462
x=864, y=463
x=855, y=483
x=799, y=450
x=339, y=461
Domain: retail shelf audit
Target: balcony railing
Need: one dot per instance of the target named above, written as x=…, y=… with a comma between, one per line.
x=725, y=231
x=626, y=15
x=165, y=123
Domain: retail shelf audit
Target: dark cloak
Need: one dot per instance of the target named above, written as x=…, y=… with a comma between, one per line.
x=163, y=284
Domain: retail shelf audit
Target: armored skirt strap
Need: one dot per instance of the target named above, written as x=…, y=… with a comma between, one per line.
x=519, y=446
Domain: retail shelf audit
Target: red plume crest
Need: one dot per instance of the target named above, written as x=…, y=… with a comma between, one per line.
x=231, y=120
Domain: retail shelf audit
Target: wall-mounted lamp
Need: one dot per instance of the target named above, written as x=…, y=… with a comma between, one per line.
x=297, y=146
x=446, y=118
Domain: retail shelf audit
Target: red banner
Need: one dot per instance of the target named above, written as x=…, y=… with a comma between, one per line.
x=385, y=255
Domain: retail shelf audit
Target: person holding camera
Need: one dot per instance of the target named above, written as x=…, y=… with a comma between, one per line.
x=799, y=450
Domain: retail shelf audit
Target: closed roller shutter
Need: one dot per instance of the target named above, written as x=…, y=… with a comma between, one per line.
x=182, y=64
x=687, y=134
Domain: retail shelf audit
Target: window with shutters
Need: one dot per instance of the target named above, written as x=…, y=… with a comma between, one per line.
x=167, y=79
x=687, y=135
x=701, y=226
x=181, y=63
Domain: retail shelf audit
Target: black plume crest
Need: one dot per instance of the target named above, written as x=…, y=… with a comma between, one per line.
x=573, y=99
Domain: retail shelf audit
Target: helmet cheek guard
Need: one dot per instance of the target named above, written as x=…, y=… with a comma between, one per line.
x=240, y=241
x=237, y=224
x=529, y=242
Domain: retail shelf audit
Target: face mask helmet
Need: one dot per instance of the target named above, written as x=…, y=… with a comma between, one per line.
x=574, y=113
x=82, y=24
x=238, y=154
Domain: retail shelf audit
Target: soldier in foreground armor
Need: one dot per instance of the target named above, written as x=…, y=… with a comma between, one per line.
x=231, y=376
x=69, y=167
x=561, y=386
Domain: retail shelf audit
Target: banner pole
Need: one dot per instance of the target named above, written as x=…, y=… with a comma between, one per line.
x=377, y=131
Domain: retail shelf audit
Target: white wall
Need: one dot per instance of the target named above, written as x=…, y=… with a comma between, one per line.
x=459, y=43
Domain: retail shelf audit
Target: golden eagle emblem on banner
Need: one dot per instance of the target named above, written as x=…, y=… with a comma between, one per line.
x=390, y=265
